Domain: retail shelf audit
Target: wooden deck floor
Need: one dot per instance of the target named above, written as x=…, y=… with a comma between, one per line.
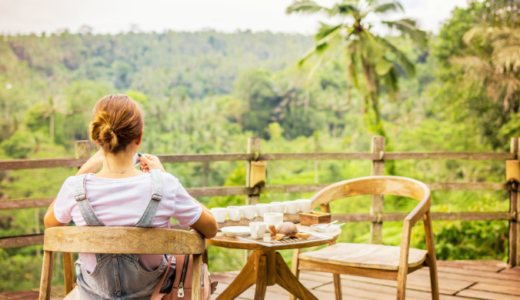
x=457, y=279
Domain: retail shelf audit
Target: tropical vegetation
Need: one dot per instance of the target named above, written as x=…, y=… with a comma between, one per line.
x=207, y=92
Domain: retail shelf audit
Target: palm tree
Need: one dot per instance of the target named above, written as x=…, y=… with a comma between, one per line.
x=372, y=59
x=496, y=65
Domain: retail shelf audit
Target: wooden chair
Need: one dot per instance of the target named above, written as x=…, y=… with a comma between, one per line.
x=375, y=261
x=117, y=240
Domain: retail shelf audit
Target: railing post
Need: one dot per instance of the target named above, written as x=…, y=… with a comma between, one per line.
x=514, y=225
x=376, y=207
x=82, y=149
x=254, y=146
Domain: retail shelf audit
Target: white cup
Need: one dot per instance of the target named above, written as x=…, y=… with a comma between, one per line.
x=219, y=213
x=291, y=207
x=257, y=229
x=273, y=219
x=263, y=208
x=248, y=211
x=278, y=207
x=304, y=205
x=234, y=213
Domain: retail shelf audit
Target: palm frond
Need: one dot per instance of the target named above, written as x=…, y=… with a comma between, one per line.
x=394, y=6
x=344, y=8
x=325, y=30
x=323, y=44
x=391, y=82
x=304, y=7
x=401, y=59
x=408, y=27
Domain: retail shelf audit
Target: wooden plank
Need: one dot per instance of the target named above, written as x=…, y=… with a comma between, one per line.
x=512, y=271
x=464, y=264
x=436, y=216
x=420, y=283
x=488, y=275
x=448, y=155
x=360, y=288
x=111, y=240
x=511, y=290
x=319, y=156
x=476, y=276
x=485, y=295
x=21, y=241
x=180, y=158
x=18, y=164
x=467, y=186
x=296, y=188
x=219, y=191
x=25, y=203
x=376, y=205
x=386, y=156
x=254, y=146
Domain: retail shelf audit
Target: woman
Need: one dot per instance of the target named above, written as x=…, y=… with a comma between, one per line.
x=120, y=195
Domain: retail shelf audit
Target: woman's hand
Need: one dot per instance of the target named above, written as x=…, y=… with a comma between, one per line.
x=150, y=162
x=94, y=163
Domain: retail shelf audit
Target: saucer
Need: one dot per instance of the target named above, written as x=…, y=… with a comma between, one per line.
x=236, y=231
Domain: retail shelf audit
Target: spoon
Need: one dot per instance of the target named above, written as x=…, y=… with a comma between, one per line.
x=331, y=223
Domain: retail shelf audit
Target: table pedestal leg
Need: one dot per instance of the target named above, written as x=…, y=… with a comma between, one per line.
x=242, y=282
x=286, y=279
x=266, y=268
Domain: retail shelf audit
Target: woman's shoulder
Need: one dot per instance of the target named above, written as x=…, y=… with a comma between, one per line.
x=170, y=180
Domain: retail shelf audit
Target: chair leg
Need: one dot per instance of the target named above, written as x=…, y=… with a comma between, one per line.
x=46, y=280
x=431, y=257
x=68, y=272
x=337, y=286
x=196, y=275
x=294, y=267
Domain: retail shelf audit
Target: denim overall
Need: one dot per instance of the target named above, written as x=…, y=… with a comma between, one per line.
x=118, y=276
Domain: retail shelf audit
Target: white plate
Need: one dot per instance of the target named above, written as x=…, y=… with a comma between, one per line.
x=236, y=231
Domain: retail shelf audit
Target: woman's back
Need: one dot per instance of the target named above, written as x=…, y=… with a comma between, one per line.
x=122, y=202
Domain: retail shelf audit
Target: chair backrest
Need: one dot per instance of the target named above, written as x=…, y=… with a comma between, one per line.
x=123, y=240
x=375, y=185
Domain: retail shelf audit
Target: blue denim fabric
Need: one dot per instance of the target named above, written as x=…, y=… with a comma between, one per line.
x=118, y=276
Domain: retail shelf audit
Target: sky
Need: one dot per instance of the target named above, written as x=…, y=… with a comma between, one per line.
x=114, y=16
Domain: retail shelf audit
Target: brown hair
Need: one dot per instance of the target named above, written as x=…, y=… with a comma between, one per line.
x=116, y=122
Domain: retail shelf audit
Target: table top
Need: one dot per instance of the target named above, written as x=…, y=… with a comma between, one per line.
x=235, y=243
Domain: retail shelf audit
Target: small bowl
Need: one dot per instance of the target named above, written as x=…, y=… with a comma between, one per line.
x=325, y=228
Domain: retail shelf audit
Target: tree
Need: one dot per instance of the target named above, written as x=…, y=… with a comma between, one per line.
x=373, y=61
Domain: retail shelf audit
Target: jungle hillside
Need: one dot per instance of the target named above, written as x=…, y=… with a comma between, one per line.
x=208, y=91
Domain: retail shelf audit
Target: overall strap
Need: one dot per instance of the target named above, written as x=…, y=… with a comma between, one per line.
x=149, y=214
x=84, y=206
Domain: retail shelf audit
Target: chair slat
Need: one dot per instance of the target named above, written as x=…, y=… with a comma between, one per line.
x=123, y=240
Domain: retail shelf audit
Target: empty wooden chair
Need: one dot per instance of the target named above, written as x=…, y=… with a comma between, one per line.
x=376, y=261
x=117, y=240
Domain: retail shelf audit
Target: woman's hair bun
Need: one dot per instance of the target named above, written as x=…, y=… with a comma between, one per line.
x=116, y=122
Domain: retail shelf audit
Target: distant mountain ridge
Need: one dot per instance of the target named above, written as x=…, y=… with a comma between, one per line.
x=192, y=64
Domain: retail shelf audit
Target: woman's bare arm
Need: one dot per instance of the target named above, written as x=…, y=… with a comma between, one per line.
x=206, y=224
x=50, y=219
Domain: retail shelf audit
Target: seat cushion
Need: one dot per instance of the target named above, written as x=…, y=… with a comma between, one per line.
x=364, y=256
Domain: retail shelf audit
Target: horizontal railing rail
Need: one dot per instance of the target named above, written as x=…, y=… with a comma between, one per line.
x=37, y=239
x=19, y=164
x=270, y=189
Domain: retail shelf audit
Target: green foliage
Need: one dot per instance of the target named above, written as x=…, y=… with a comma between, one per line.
x=19, y=145
x=207, y=92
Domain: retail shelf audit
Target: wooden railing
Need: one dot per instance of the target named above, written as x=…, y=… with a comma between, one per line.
x=378, y=157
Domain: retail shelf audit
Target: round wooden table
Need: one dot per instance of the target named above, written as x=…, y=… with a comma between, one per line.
x=266, y=266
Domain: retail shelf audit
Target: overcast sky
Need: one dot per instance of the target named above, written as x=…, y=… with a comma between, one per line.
x=114, y=16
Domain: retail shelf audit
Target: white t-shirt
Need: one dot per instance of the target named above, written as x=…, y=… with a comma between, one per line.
x=122, y=202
